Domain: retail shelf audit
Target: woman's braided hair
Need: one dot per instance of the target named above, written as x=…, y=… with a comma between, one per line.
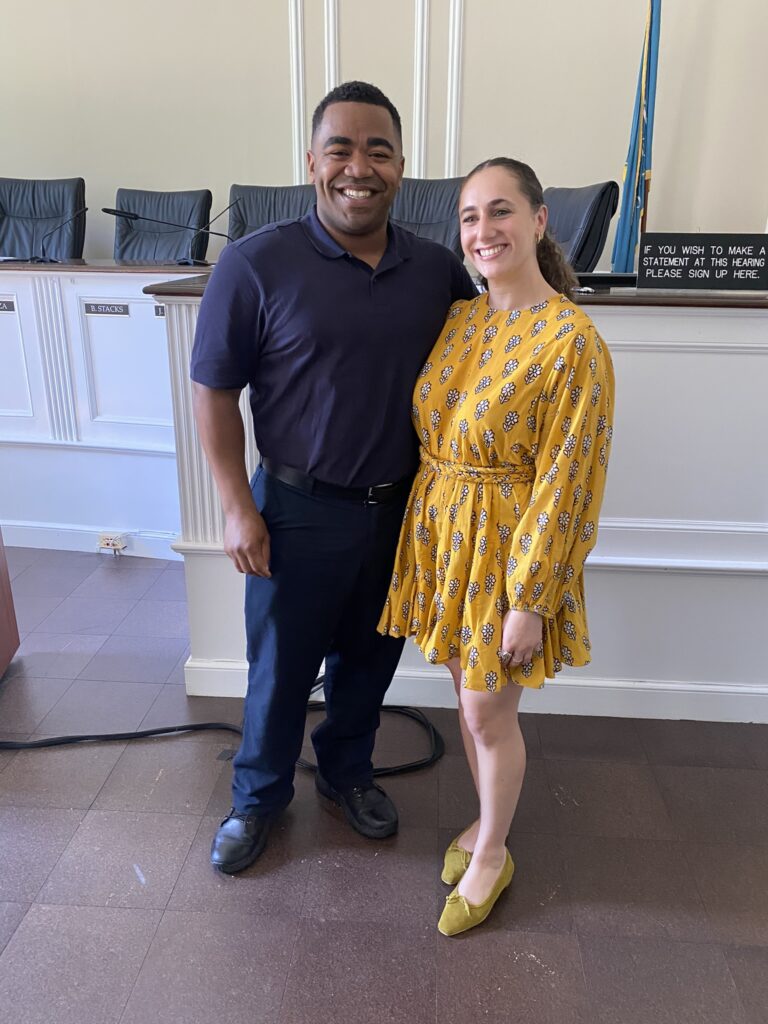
x=555, y=269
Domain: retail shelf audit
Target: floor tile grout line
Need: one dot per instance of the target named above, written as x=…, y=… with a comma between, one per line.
x=643, y=744
x=298, y=924
x=184, y=862
x=64, y=597
x=679, y=830
x=85, y=812
x=47, y=615
x=7, y=942
x=63, y=851
x=108, y=635
x=657, y=787
x=692, y=875
x=119, y=758
x=736, y=991
x=50, y=709
x=150, y=636
x=160, y=920
x=141, y=725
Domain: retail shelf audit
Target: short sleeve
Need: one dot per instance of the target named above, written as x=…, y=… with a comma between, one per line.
x=559, y=528
x=229, y=324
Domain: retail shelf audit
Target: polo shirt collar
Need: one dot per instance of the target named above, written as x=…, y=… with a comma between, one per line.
x=399, y=241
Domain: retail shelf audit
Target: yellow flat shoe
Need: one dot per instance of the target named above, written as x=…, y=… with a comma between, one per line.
x=456, y=862
x=459, y=915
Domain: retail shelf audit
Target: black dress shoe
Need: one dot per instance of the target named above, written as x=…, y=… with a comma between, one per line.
x=368, y=809
x=240, y=840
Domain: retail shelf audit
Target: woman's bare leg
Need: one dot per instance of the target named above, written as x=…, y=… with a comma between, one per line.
x=491, y=720
x=469, y=835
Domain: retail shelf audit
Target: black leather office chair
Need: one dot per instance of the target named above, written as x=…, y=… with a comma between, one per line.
x=426, y=207
x=31, y=208
x=143, y=240
x=429, y=208
x=266, y=204
x=579, y=219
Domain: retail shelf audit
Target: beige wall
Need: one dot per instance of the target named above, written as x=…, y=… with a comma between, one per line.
x=192, y=94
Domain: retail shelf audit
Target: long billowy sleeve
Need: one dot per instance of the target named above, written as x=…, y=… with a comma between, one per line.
x=559, y=528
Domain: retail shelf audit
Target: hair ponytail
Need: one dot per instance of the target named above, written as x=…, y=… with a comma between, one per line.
x=555, y=269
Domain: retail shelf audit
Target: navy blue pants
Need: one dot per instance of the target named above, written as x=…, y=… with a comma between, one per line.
x=331, y=562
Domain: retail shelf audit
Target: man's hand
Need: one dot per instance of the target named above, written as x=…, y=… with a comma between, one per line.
x=246, y=541
x=521, y=635
x=220, y=426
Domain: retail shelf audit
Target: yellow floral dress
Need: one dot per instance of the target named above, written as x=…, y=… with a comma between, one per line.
x=513, y=411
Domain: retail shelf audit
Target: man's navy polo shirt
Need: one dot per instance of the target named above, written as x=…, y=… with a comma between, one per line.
x=330, y=347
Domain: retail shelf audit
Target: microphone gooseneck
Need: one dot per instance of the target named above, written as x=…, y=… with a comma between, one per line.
x=133, y=216
x=212, y=221
x=50, y=259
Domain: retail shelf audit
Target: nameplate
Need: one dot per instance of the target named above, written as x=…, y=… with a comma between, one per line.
x=7, y=306
x=726, y=262
x=159, y=310
x=107, y=309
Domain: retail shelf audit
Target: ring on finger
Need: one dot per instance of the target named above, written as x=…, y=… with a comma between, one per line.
x=505, y=657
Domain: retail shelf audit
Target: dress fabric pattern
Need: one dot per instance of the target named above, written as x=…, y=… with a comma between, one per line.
x=514, y=415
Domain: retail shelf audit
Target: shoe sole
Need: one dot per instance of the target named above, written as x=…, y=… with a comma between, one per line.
x=241, y=865
x=333, y=801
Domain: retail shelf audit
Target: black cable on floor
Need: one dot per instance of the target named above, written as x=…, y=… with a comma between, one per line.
x=437, y=744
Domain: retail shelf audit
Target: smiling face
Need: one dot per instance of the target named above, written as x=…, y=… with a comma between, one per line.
x=499, y=228
x=356, y=166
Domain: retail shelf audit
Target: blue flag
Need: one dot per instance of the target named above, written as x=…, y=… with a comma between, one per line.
x=637, y=170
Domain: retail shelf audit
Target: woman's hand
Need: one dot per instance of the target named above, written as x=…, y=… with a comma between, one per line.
x=521, y=634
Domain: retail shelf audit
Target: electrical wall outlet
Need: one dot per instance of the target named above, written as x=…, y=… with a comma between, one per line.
x=112, y=542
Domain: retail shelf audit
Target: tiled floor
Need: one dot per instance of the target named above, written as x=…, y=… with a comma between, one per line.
x=641, y=893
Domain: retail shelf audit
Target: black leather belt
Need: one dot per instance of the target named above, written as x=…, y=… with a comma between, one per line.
x=304, y=482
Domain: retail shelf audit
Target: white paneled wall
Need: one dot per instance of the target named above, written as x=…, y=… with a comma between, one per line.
x=86, y=424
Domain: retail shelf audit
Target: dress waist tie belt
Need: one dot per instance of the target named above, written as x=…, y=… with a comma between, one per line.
x=503, y=474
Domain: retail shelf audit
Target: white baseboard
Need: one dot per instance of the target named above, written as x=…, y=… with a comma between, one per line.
x=613, y=698
x=619, y=698
x=207, y=677
x=66, y=537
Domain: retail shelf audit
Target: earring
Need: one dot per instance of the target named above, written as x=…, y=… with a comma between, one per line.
x=539, y=238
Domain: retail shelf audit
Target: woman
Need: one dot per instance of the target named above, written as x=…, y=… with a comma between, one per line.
x=513, y=410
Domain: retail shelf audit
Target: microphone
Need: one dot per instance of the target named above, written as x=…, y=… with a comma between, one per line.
x=42, y=258
x=130, y=215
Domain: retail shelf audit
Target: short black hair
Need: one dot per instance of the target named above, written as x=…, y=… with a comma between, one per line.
x=357, y=92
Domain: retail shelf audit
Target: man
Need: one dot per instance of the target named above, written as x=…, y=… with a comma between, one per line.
x=329, y=319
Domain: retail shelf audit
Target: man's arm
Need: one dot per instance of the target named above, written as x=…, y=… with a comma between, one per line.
x=220, y=427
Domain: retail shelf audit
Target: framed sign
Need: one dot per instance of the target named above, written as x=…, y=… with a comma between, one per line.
x=724, y=262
